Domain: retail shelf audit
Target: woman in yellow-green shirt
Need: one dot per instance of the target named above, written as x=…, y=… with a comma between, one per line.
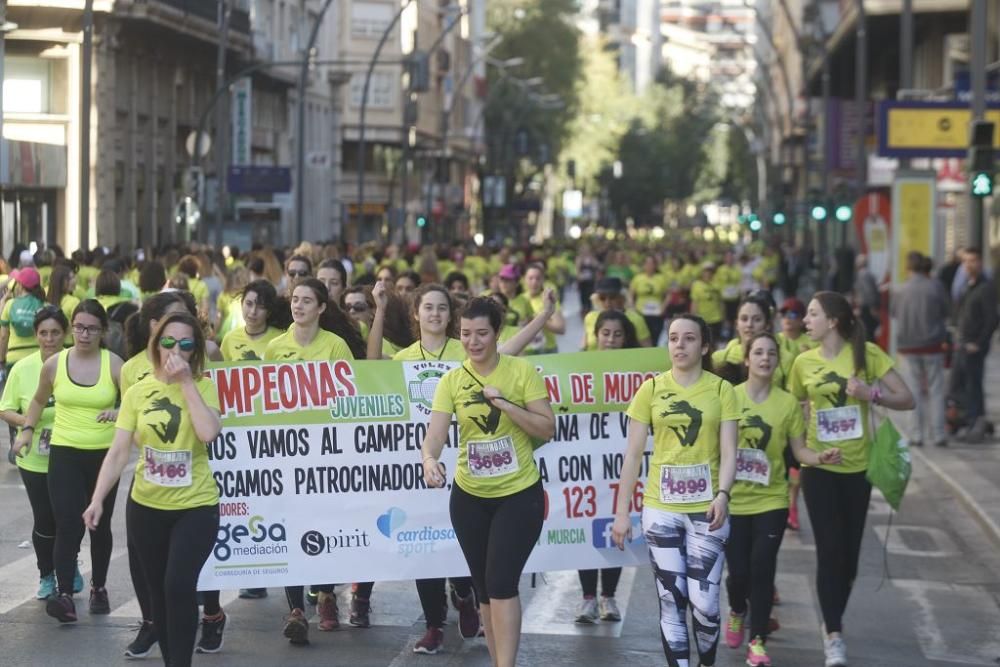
x=693, y=417
x=173, y=508
x=649, y=294
x=840, y=380
x=497, y=503
x=264, y=320
x=706, y=300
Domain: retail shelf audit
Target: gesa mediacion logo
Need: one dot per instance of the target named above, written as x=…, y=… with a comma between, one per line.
x=422, y=380
x=314, y=543
x=421, y=540
x=257, y=538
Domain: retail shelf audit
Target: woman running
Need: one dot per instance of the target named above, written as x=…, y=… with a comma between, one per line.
x=503, y=413
x=770, y=422
x=840, y=379
x=649, y=294
x=33, y=460
x=614, y=331
x=62, y=283
x=173, y=508
x=84, y=382
x=17, y=337
x=693, y=418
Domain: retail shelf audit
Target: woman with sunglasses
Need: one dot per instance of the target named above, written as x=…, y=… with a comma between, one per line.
x=84, y=382
x=320, y=331
x=33, y=460
x=357, y=302
x=298, y=267
x=265, y=318
x=173, y=508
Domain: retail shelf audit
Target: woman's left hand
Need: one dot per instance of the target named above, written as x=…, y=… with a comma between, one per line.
x=107, y=416
x=718, y=511
x=830, y=457
x=858, y=389
x=493, y=395
x=549, y=299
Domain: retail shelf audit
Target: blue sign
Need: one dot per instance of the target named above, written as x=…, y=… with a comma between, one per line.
x=259, y=180
x=963, y=86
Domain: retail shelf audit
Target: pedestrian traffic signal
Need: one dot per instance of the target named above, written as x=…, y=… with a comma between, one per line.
x=755, y=224
x=742, y=219
x=819, y=213
x=981, y=157
x=421, y=221
x=844, y=213
x=779, y=218
x=982, y=184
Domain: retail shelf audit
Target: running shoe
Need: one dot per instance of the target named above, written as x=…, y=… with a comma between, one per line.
x=588, y=612
x=143, y=643
x=468, y=616
x=835, y=651
x=253, y=593
x=773, y=625
x=312, y=596
x=360, y=611
x=329, y=615
x=775, y=598
x=431, y=642
x=734, y=629
x=297, y=628
x=78, y=581
x=793, y=517
x=61, y=608
x=46, y=587
x=99, y=601
x=609, y=609
x=211, y=634
x=757, y=654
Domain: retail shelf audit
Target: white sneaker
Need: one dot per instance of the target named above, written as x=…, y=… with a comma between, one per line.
x=588, y=612
x=836, y=652
x=609, y=609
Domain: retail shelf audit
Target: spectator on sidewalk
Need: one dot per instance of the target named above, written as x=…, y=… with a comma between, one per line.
x=920, y=308
x=976, y=320
x=867, y=299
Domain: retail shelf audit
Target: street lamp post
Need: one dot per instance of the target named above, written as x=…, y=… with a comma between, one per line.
x=86, y=66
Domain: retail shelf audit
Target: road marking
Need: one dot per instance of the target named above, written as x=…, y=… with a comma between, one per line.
x=987, y=523
x=552, y=610
x=932, y=633
x=899, y=537
x=20, y=578
x=131, y=608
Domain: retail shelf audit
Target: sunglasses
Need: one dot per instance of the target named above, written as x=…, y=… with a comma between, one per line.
x=185, y=344
x=357, y=307
x=297, y=274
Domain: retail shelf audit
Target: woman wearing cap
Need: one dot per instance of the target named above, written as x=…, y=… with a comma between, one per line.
x=706, y=300
x=519, y=310
x=609, y=296
x=17, y=319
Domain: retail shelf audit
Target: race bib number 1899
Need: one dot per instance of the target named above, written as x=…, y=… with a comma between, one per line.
x=686, y=484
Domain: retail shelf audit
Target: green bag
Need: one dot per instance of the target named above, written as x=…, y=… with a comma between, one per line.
x=889, y=462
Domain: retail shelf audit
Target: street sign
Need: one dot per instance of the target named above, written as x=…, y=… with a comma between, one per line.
x=205, y=144
x=242, y=119
x=258, y=180
x=927, y=129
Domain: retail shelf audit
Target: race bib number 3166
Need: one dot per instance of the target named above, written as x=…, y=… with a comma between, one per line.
x=171, y=469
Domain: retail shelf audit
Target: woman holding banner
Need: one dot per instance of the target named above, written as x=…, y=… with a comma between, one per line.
x=173, y=508
x=320, y=331
x=693, y=418
x=497, y=510
x=614, y=331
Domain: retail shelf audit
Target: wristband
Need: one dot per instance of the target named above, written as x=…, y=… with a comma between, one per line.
x=728, y=495
x=876, y=396
x=27, y=427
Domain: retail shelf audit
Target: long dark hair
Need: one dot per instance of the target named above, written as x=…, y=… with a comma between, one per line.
x=59, y=281
x=335, y=320
x=737, y=373
x=137, y=325
x=51, y=312
x=279, y=313
x=849, y=327
x=397, y=329
x=706, y=337
x=631, y=338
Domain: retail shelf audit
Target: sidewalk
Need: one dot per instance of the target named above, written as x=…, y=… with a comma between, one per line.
x=972, y=472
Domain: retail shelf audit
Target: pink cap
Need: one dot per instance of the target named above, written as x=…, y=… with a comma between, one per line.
x=28, y=277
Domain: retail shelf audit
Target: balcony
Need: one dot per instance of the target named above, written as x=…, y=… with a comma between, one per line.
x=239, y=19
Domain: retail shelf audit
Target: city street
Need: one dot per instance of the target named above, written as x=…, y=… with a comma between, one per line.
x=927, y=595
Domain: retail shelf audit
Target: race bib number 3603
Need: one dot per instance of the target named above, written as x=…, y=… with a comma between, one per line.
x=492, y=458
x=837, y=424
x=171, y=469
x=686, y=484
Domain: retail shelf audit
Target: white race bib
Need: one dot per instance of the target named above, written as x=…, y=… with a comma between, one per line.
x=492, y=458
x=731, y=293
x=686, y=484
x=753, y=466
x=170, y=469
x=651, y=308
x=44, y=440
x=838, y=424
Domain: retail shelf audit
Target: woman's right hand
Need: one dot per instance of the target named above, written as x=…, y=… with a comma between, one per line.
x=22, y=440
x=434, y=473
x=621, y=531
x=92, y=515
x=379, y=295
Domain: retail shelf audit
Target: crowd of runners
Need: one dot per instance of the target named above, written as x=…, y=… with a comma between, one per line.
x=781, y=383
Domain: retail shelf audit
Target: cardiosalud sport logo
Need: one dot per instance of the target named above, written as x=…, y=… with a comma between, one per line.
x=422, y=380
x=422, y=540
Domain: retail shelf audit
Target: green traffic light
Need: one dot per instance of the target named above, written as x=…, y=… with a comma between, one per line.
x=742, y=219
x=755, y=225
x=844, y=213
x=779, y=218
x=982, y=184
x=421, y=221
x=818, y=213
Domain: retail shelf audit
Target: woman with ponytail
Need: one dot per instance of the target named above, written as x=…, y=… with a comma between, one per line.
x=837, y=383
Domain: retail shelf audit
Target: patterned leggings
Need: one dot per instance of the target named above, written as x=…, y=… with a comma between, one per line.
x=687, y=564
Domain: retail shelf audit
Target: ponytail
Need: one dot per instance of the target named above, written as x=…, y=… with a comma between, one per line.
x=849, y=326
x=858, y=341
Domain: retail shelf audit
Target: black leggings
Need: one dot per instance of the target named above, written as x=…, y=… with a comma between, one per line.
x=296, y=596
x=434, y=599
x=752, y=558
x=497, y=536
x=72, y=478
x=172, y=546
x=43, y=532
x=609, y=581
x=838, y=505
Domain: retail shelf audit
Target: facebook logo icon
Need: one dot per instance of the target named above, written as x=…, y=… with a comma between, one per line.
x=602, y=532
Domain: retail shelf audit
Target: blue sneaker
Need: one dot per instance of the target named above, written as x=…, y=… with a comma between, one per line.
x=77, y=581
x=46, y=587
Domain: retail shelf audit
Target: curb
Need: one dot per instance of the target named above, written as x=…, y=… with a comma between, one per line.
x=988, y=525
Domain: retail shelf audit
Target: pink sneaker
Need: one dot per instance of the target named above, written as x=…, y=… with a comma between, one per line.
x=734, y=630
x=757, y=654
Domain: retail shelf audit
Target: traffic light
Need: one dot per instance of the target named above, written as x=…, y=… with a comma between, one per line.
x=421, y=221
x=779, y=218
x=419, y=67
x=755, y=224
x=981, y=167
x=819, y=212
x=742, y=219
x=982, y=184
x=843, y=213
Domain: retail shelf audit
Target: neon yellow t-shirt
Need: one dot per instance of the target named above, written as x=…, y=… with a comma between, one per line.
x=172, y=472
x=764, y=427
x=76, y=422
x=686, y=424
x=495, y=456
x=637, y=320
x=650, y=291
x=325, y=345
x=17, y=394
x=823, y=382
x=519, y=310
x=134, y=370
x=238, y=345
x=706, y=301
x=732, y=353
x=452, y=350
x=545, y=341
x=85, y=278
x=727, y=279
